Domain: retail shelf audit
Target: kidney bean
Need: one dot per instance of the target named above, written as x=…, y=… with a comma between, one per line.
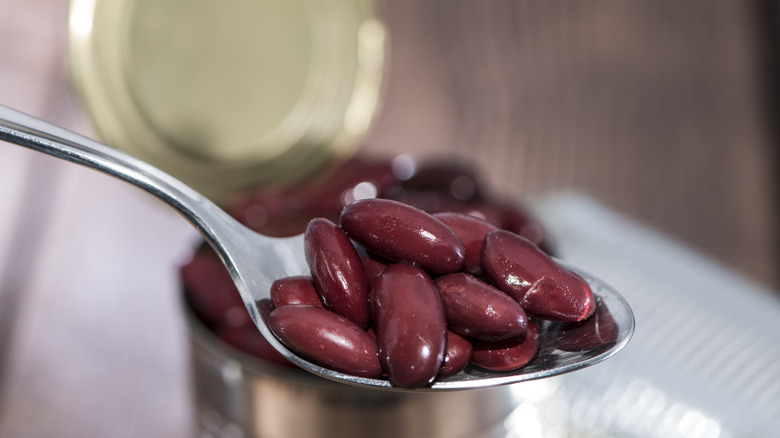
x=327, y=339
x=457, y=354
x=478, y=310
x=337, y=271
x=410, y=324
x=295, y=290
x=472, y=231
x=403, y=233
x=508, y=354
x=543, y=287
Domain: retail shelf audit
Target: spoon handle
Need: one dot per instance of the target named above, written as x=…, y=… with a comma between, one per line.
x=33, y=133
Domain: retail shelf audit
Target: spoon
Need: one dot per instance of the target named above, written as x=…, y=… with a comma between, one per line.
x=255, y=261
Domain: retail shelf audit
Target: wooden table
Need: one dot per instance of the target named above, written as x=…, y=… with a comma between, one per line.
x=654, y=108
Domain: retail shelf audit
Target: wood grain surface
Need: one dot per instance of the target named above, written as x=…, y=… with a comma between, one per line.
x=655, y=108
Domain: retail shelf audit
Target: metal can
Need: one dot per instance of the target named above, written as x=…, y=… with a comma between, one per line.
x=240, y=396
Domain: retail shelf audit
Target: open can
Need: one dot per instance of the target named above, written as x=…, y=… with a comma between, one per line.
x=240, y=396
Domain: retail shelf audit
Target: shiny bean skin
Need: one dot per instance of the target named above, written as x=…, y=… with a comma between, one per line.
x=337, y=271
x=295, y=290
x=410, y=324
x=508, y=354
x=457, y=354
x=403, y=233
x=472, y=231
x=479, y=310
x=327, y=339
x=542, y=286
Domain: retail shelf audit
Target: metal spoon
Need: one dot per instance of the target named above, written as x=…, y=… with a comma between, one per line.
x=255, y=261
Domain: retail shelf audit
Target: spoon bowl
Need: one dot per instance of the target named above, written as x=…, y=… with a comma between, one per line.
x=255, y=261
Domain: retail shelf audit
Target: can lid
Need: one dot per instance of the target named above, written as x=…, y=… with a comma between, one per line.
x=228, y=95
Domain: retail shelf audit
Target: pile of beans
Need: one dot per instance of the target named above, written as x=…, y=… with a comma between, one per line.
x=450, y=193
x=421, y=296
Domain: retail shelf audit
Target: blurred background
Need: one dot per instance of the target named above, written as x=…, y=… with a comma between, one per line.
x=664, y=111
x=659, y=109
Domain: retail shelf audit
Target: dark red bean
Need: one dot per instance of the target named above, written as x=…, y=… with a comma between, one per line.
x=508, y=354
x=457, y=354
x=596, y=331
x=403, y=233
x=327, y=339
x=472, y=231
x=542, y=286
x=337, y=271
x=410, y=324
x=478, y=310
x=295, y=290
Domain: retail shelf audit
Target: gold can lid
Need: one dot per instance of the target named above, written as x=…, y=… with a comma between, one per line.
x=229, y=95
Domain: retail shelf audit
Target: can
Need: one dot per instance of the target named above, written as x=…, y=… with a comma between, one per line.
x=237, y=395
